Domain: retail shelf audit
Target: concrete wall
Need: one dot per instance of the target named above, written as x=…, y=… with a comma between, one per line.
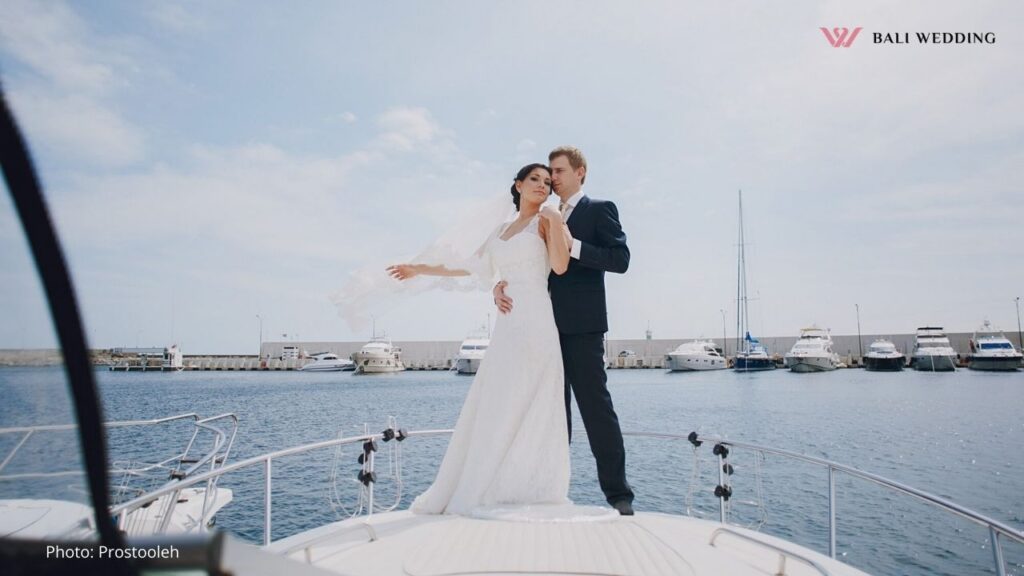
x=421, y=352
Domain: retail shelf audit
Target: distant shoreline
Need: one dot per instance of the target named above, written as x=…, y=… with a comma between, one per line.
x=36, y=357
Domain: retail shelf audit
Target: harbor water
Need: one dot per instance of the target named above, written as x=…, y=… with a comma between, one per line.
x=956, y=435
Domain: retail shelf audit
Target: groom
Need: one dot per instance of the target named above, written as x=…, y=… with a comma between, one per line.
x=598, y=246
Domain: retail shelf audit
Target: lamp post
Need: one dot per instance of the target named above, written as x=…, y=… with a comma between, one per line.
x=860, y=346
x=259, y=351
x=1020, y=345
x=725, y=343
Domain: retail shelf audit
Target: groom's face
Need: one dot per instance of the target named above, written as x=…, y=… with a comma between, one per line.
x=564, y=179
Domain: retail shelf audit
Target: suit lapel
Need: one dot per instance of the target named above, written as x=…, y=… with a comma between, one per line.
x=580, y=207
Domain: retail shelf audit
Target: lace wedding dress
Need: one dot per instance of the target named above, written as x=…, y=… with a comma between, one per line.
x=510, y=447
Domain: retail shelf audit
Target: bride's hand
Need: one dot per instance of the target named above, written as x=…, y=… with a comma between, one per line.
x=403, y=271
x=552, y=215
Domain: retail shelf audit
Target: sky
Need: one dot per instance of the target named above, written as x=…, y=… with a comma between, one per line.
x=217, y=169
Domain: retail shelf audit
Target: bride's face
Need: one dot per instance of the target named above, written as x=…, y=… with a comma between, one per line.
x=535, y=188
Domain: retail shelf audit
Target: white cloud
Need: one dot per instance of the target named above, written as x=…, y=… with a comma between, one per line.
x=65, y=100
x=250, y=201
x=176, y=17
x=51, y=39
x=78, y=126
x=403, y=128
x=526, y=145
x=256, y=223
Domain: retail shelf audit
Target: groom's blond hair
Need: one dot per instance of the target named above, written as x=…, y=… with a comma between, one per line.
x=574, y=156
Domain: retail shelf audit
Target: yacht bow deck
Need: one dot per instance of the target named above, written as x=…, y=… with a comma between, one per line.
x=407, y=544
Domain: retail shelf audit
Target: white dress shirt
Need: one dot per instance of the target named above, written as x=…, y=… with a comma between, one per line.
x=570, y=204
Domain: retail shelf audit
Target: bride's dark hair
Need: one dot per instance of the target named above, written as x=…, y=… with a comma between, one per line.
x=521, y=175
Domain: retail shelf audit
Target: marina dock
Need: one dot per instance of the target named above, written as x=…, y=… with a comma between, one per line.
x=621, y=354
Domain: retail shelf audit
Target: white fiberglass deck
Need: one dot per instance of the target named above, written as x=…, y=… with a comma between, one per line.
x=403, y=543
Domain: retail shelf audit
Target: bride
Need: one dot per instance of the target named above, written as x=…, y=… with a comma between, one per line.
x=511, y=445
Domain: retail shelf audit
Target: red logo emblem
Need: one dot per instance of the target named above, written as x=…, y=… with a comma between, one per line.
x=840, y=37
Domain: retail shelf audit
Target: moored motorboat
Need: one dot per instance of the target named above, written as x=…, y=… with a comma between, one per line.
x=812, y=352
x=696, y=355
x=883, y=356
x=328, y=362
x=471, y=353
x=991, y=350
x=378, y=356
x=932, y=351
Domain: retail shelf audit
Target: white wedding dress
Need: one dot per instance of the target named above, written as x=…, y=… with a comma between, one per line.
x=510, y=447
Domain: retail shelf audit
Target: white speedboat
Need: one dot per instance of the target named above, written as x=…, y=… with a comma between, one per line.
x=378, y=356
x=932, y=351
x=812, y=352
x=471, y=353
x=328, y=362
x=696, y=355
x=883, y=356
x=992, y=350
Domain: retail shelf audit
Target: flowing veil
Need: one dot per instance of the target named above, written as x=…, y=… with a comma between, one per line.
x=461, y=247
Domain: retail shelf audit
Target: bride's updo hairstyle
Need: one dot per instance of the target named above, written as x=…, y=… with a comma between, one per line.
x=523, y=173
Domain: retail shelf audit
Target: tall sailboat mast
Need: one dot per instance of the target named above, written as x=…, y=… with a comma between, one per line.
x=741, y=287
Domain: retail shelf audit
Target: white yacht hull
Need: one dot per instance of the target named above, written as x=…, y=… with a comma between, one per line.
x=933, y=363
x=694, y=362
x=467, y=365
x=1004, y=363
x=327, y=367
x=884, y=363
x=804, y=364
x=374, y=365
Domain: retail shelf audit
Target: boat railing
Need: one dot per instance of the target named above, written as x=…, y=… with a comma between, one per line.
x=27, y=432
x=721, y=448
x=782, y=552
x=367, y=474
x=131, y=474
x=998, y=531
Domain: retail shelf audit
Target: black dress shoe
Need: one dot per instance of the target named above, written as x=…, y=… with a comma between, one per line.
x=625, y=507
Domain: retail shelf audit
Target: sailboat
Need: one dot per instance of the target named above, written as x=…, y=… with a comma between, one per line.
x=751, y=356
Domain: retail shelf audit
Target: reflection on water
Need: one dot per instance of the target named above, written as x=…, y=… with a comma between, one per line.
x=956, y=435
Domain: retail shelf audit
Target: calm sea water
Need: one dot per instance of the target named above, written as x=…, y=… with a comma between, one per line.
x=957, y=435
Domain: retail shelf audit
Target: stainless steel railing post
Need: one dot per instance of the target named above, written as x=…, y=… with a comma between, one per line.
x=266, y=502
x=997, y=551
x=831, y=512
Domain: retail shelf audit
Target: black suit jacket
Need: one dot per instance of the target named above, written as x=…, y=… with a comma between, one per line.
x=578, y=296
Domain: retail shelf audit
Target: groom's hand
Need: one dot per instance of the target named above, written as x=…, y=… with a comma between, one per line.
x=504, y=303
